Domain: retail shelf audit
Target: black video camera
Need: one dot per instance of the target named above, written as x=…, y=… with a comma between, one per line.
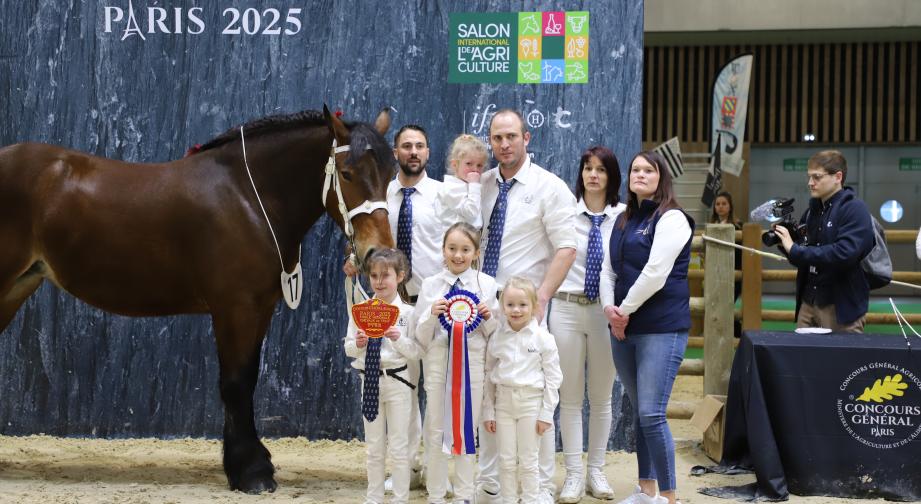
x=779, y=211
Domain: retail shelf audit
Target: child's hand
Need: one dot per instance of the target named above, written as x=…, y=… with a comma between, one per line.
x=490, y=426
x=392, y=333
x=472, y=177
x=542, y=427
x=361, y=339
x=439, y=307
x=483, y=310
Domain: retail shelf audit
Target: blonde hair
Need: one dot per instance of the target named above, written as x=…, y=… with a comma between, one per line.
x=465, y=144
x=465, y=229
x=522, y=284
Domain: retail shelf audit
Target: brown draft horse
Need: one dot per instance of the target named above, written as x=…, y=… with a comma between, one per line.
x=189, y=236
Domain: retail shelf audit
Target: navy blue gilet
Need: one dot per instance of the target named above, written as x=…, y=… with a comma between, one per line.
x=668, y=310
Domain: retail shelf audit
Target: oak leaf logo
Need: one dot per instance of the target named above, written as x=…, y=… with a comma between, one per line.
x=884, y=390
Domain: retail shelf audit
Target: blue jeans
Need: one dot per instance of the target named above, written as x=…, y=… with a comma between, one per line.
x=647, y=364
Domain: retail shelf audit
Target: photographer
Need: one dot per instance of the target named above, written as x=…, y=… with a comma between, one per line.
x=831, y=290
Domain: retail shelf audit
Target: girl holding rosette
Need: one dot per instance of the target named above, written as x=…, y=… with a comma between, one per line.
x=523, y=378
x=455, y=319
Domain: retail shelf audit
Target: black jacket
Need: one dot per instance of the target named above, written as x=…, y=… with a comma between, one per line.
x=840, y=234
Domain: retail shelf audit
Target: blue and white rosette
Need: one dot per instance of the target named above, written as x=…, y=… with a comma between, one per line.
x=461, y=318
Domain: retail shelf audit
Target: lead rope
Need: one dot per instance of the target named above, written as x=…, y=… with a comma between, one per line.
x=261, y=206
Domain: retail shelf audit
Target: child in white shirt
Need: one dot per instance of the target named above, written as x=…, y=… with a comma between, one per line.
x=459, y=197
x=461, y=247
x=387, y=269
x=523, y=379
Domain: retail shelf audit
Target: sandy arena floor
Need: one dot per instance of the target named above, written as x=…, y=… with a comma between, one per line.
x=48, y=470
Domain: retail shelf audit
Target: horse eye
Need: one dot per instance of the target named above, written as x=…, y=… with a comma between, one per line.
x=347, y=175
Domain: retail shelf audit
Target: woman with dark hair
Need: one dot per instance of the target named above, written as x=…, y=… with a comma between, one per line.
x=723, y=211
x=649, y=313
x=577, y=323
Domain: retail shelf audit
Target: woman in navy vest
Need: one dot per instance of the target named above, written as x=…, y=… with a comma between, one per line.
x=648, y=309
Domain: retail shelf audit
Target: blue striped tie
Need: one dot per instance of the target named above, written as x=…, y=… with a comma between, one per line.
x=496, y=227
x=405, y=228
x=593, y=256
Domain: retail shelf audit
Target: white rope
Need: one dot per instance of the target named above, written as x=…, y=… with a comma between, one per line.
x=246, y=164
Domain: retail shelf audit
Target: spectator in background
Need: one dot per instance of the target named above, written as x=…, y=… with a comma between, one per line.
x=724, y=213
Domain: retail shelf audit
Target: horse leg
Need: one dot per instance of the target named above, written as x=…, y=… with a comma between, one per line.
x=240, y=333
x=16, y=293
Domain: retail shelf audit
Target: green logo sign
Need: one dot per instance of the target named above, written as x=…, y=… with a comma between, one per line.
x=519, y=47
x=795, y=164
x=909, y=164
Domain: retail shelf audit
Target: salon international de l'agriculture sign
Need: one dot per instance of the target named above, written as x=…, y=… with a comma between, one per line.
x=519, y=47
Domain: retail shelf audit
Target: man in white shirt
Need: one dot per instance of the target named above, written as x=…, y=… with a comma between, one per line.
x=529, y=231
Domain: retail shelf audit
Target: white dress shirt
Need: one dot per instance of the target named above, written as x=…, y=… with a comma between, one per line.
x=672, y=234
x=429, y=331
x=428, y=228
x=575, y=279
x=525, y=358
x=459, y=201
x=393, y=353
x=539, y=221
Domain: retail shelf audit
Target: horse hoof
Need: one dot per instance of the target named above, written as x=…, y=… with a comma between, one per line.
x=256, y=486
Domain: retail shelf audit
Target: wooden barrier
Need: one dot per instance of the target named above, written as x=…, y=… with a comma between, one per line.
x=718, y=311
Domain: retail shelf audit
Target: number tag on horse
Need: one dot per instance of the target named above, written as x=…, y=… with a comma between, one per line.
x=292, y=286
x=374, y=317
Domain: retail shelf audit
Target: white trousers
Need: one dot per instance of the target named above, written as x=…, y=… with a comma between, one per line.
x=415, y=416
x=517, y=409
x=435, y=365
x=389, y=428
x=582, y=337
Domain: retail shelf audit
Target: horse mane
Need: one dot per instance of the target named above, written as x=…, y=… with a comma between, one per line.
x=363, y=136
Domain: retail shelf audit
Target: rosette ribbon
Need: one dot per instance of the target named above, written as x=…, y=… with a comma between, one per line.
x=459, y=320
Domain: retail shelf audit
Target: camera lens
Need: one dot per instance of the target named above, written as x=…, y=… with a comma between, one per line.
x=770, y=238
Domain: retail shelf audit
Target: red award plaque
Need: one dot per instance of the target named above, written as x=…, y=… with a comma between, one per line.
x=374, y=317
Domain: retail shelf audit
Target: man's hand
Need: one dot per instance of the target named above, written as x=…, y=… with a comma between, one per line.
x=361, y=339
x=784, y=234
x=542, y=427
x=350, y=268
x=490, y=426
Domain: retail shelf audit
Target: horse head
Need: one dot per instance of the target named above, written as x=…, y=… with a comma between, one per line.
x=364, y=165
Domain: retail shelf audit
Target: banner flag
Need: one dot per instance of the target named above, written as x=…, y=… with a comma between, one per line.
x=730, y=110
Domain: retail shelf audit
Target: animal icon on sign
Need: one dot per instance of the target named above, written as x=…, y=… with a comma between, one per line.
x=576, y=48
x=553, y=27
x=576, y=23
x=529, y=47
x=552, y=73
x=531, y=26
x=575, y=71
x=527, y=71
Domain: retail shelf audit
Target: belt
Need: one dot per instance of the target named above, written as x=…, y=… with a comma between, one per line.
x=581, y=299
x=392, y=372
x=413, y=299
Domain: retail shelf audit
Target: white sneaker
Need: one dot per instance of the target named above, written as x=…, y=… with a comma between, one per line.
x=545, y=496
x=598, y=485
x=485, y=496
x=638, y=497
x=573, y=489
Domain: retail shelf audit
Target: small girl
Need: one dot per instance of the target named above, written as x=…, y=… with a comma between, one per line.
x=459, y=196
x=388, y=268
x=461, y=247
x=523, y=379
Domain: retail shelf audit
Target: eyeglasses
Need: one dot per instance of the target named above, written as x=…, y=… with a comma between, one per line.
x=815, y=177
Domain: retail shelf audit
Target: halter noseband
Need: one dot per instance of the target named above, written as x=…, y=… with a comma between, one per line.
x=331, y=180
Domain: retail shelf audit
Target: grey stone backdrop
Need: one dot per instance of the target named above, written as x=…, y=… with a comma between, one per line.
x=69, y=369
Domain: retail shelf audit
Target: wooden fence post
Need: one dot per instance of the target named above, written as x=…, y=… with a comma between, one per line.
x=751, y=277
x=719, y=276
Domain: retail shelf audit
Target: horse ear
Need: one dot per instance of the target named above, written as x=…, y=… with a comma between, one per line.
x=382, y=123
x=336, y=128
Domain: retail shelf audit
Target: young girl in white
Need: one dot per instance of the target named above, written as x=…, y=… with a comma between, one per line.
x=523, y=378
x=461, y=246
x=387, y=269
x=459, y=196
